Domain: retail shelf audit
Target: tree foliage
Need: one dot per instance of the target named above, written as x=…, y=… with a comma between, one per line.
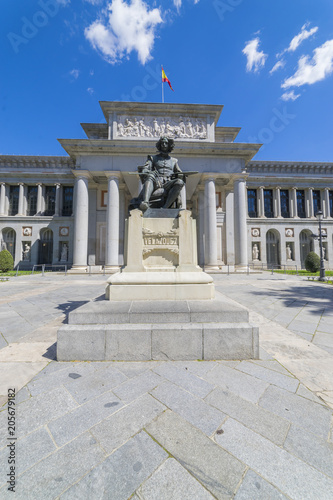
x=312, y=262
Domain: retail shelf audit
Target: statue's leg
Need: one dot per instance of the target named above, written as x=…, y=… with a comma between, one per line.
x=148, y=188
x=173, y=193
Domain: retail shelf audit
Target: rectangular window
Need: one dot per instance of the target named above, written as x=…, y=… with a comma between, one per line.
x=268, y=203
x=331, y=203
x=104, y=198
x=252, y=202
x=32, y=200
x=316, y=202
x=218, y=200
x=50, y=192
x=284, y=197
x=67, y=203
x=301, y=203
x=13, y=199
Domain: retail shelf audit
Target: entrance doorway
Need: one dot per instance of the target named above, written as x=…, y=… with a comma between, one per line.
x=273, y=248
x=46, y=246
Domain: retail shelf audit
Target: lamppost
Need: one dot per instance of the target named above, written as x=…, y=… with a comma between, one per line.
x=319, y=216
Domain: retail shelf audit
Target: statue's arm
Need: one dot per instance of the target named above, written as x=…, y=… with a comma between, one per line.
x=176, y=166
x=147, y=167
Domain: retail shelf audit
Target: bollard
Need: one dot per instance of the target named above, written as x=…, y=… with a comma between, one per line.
x=228, y=270
x=296, y=271
x=17, y=270
x=65, y=270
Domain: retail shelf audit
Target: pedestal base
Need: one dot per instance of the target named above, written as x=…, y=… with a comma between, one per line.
x=160, y=330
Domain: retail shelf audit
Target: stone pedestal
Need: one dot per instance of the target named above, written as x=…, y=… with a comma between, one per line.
x=160, y=259
x=161, y=305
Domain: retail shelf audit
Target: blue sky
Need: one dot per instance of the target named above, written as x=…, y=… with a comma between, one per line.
x=269, y=63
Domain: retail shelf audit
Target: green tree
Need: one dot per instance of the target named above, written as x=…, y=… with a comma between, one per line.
x=6, y=261
x=312, y=262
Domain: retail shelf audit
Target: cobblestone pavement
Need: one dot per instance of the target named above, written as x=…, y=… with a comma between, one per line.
x=170, y=430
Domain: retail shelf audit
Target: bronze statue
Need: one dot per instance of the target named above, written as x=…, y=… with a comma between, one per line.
x=162, y=179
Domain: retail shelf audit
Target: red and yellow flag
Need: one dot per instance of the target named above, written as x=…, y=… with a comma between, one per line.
x=166, y=79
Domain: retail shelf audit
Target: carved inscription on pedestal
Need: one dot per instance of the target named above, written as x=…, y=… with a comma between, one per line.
x=161, y=247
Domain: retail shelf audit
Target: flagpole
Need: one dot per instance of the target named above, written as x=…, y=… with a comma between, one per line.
x=162, y=85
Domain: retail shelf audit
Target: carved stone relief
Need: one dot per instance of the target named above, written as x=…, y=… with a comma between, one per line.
x=153, y=126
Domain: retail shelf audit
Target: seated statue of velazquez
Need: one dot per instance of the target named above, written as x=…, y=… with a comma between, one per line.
x=162, y=180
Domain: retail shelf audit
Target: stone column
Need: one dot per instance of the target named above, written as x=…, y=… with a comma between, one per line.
x=112, y=222
x=277, y=202
x=39, y=198
x=241, y=257
x=309, y=203
x=21, y=199
x=293, y=204
x=201, y=228
x=57, y=200
x=81, y=211
x=327, y=214
x=210, y=224
x=2, y=198
x=261, y=205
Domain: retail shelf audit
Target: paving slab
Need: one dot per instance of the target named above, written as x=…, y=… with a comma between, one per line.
x=311, y=449
x=121, y=473
x=253, y=416
x=239, y=383
x=194, y=410
x=291, y=476
x=114, y=431
x=17, y=374
x=306, y=414
x=180, y=376
x=49, y=478
x=285, y=382
x=172, y=481
x=255, y=487
x=217, y=470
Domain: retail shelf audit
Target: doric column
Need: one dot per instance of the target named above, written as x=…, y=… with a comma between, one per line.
x=21, y=199
x=57, y=200
x=241, y=258
x=293, y=203
x=2, y=198
x=201, y=228
x=39, y=198
x=277, y=202
x=112, y=221
x=210, y=224
x=81, y=210
x=326, y=203
x=309, y=203
x=261, y=202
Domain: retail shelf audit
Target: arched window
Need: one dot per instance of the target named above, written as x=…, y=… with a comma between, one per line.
x=306, y=245
x=46, y=246
x=8, y=240
x=273, y=248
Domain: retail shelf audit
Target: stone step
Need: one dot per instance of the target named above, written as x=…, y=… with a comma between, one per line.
x=217, y=310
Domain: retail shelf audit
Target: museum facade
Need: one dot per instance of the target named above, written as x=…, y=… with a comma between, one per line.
x=71, y=210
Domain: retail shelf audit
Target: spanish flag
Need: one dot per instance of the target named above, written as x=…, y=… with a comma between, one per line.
x=166, y=79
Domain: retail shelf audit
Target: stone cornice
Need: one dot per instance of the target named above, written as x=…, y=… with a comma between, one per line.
x=163, y=109
x=76, y=147
x=282, y=167
x=36, y=162
x=227, y=131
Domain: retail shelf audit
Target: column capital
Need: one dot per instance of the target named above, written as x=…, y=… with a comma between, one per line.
x=208, y=177
x=261, y=187
x=20, y=183
x=57, y=184
x=277, y=187
x=85, y=174
x=112, y=174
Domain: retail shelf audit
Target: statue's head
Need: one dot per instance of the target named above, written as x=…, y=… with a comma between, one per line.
x=165, y=144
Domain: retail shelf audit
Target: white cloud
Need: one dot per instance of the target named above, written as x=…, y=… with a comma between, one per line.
x=290, y=96
x=75, y=73
x=278, y=65
x=255, y=59
x=314, y=70
x=64, y=2
x=177, y=3
x=298, y=39
x=91, y=72
x=90, y=90
x=128, y=27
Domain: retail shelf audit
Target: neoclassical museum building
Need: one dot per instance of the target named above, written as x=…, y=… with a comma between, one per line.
x=71, y=210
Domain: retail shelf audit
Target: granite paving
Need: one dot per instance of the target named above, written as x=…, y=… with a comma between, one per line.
x=147, y=430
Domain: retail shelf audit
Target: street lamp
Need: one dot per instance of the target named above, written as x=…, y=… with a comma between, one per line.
x=319, y=216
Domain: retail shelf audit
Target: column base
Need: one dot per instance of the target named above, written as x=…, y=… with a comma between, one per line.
x=112, y=269
x=76, y=269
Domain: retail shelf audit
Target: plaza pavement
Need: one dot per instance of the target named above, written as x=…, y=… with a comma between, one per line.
x=170, y=430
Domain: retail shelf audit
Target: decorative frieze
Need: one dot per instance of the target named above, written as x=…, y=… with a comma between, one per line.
x=149, y=127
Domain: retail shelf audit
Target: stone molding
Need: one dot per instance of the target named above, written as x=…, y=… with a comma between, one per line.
x=256, y=167
x=36, y=161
